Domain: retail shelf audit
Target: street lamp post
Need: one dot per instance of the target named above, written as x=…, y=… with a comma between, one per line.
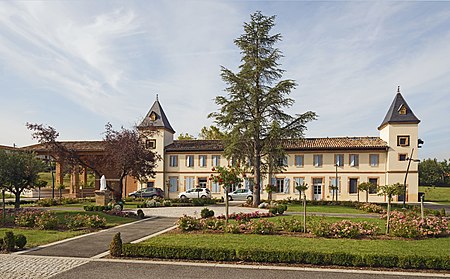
x=406, y=176
x=335, y=188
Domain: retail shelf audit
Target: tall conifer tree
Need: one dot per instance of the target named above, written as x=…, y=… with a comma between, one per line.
x=253, y=112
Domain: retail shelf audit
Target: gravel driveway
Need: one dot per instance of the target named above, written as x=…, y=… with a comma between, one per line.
x=218, y=209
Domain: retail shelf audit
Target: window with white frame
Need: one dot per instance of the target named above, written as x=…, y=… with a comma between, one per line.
x=299, y=159
x=354, y=160
x=374, y=160
x=173, y=161
x=339, y=160
x=173, y=184
x=215, y=187
x=202, y=160
x=189, y=161
x=215, y=160
x=318, y=160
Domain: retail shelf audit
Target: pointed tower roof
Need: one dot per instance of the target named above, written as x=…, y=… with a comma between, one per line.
x=156, y=118
x=399, y=112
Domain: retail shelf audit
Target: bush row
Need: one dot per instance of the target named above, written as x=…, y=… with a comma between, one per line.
x=166, y=251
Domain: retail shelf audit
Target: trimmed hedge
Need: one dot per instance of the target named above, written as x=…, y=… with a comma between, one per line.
x=280, y=256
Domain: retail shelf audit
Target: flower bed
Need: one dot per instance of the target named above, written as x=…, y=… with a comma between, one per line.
x=47, y=220
x=411, y=225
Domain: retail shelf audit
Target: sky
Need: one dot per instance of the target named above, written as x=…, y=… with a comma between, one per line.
x=76, y=65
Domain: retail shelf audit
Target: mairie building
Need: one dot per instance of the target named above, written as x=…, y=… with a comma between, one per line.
x=321, y=163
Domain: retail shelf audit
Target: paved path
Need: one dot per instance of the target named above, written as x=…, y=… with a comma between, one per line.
x=94, y=244
x=21, y=267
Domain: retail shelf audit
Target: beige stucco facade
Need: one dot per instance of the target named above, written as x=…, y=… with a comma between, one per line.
x=180, y=169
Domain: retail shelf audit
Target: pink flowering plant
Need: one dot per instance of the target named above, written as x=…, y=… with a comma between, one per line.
x=409, y=224
x=244, y=217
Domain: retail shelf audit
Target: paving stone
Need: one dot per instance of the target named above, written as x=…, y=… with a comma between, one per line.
x=19, y=266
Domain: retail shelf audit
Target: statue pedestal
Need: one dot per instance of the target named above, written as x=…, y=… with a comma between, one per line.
x=102, y=197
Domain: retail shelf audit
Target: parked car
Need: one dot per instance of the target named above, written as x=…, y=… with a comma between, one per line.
x=240, y=195
x=149, y=192
x=195, y=193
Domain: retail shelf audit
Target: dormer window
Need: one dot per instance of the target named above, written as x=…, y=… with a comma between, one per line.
x=153, y=116
x=402, y=110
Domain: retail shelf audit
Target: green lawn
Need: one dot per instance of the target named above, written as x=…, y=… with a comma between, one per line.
x=427, y=247
x=377, y=221
x=324, y=209
x=436, y=194
x=40, y=237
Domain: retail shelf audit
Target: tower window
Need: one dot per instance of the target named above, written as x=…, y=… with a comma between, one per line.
x=402, y=157
x=402, y=140
x=150, y=144
x=402, y=110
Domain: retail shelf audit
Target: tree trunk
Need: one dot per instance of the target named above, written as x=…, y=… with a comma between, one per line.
x=357, y=192
x=256, y=193
x=4, y=206
x=119, y=193
x=304, y=212
x=388, y=215
x=367, y=195
x=17, y=199
x=226, y=204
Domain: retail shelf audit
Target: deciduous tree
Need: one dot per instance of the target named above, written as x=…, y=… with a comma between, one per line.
x=19, y=170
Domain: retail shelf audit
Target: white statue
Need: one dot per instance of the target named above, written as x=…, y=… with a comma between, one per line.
x=103, y=183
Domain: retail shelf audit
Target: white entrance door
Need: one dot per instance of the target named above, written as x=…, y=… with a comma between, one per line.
x=317, y=188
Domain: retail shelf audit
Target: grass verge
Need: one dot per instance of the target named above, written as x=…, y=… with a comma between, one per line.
x=324, y=209
x=436, y=194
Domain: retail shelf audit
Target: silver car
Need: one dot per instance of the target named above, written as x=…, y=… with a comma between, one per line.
x=240, y=195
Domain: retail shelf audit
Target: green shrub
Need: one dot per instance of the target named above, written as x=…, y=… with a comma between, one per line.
x=167, y=203
x=140, y=214
x=206, y=213
x=188, y=223
x=9, y=242
x=115, y=247
x=69, y=201
x=88, y=208
x=20, y=241
x=281, y=208
x=26, y=218
x=291, y=225
x=170, y=251
x=273, y=210
x=46, y=220
x=261, y=226
x=212, y=224
x=75, y=221
x=47, y=202
x=95, y=222
x=232, y=228
x=179, y=252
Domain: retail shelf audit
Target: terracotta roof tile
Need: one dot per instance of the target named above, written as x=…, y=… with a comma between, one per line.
x=73, y=145
x=342, y=143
